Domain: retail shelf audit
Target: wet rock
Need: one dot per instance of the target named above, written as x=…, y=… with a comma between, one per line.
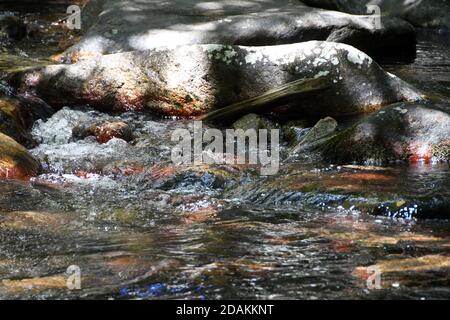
x=202, y=179
x=37, y=108
x=429, y=13
x=67, y=125
x=27, y=220
x=17, y=115
x=88, y=156
x=318, y=135
x=253, y=121
x=408, y=132
x=15, y=161
x=104, y=132
x=139, y=25
x=12, y=27
x=424, y=207
x=428, y=262
x=193, y=80
x=294, y=131
x=207, y=214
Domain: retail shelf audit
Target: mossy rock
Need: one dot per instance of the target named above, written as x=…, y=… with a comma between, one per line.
x=405, y=132
x=15, y=161
x=441, y=151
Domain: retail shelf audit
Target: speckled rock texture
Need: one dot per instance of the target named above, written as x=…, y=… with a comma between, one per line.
x=193, y=80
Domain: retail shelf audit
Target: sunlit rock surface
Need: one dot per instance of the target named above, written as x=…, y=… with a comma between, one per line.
x=139, y=25
x=192, y=80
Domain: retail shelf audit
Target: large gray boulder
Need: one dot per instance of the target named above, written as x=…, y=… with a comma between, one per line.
x=408, y=132
x=193, y=80
x=420, y=13
x=119, y=25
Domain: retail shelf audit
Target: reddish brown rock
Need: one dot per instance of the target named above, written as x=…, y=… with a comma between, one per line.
x=407, y=132
x=15, y=161
x=110, y=130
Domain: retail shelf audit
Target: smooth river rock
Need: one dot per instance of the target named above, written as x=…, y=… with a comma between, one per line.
x=420, y=13
x=113, y=26
x=17, y=115
x=193, y=80
x=15, y=161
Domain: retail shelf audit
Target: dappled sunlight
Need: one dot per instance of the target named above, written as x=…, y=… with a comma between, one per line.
x=98, y=177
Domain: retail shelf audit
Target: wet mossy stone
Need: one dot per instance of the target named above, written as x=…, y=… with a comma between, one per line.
x=15, y=161
x=195, y=80
x=18, y=114
x=406, y=132
x=268, y=22
x=427, y=13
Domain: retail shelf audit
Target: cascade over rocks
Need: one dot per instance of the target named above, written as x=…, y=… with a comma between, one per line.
x=17, y=115
x=420, y=13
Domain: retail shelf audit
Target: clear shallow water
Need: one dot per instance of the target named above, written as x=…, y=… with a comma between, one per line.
x=137, y=228
x=233, y=253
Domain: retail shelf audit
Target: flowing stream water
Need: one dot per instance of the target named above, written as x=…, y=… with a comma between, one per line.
x=136, y=229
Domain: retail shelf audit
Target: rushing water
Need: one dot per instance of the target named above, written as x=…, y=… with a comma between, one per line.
x=139, y=229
